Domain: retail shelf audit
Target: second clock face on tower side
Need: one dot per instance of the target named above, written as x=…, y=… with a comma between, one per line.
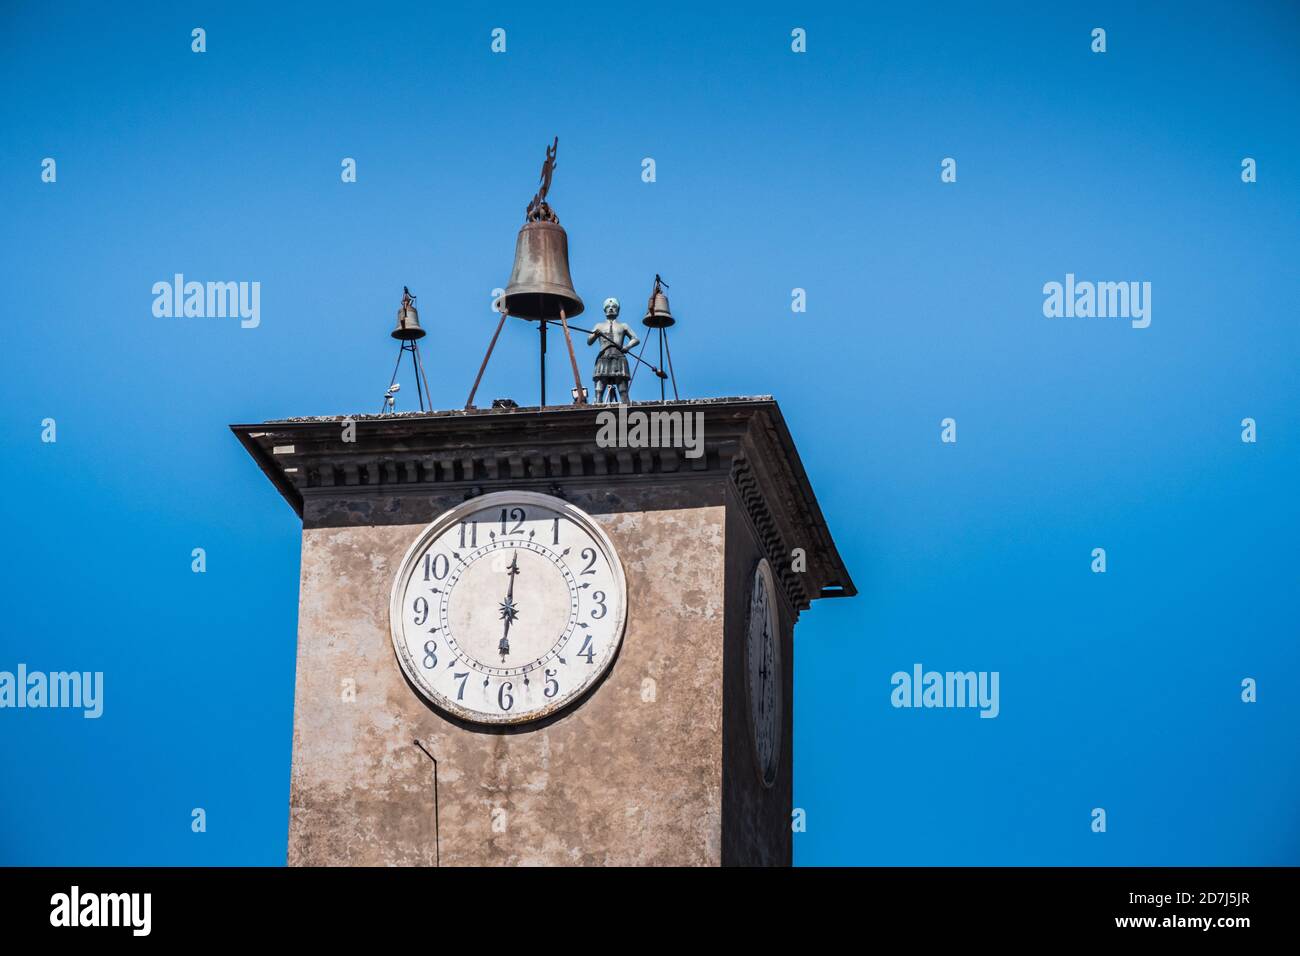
x=508, y=607
x=763, y=673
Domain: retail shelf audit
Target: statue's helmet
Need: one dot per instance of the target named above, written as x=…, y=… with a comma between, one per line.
x=611, y=306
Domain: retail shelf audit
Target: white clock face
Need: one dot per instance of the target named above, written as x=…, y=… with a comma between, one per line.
x=763, y=673
x=508, y=607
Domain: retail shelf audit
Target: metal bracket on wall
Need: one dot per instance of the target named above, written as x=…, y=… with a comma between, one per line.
x=437, y=836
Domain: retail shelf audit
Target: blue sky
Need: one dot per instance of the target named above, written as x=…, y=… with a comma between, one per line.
x=775, y=170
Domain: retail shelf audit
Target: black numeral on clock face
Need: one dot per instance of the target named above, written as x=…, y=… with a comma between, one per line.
x=514, y=514
x=473, y=533
x=436, y=568
x=552, y=685
x=421, y=609
x=504, y=699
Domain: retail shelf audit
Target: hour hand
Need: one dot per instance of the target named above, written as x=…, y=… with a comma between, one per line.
x=508, y=614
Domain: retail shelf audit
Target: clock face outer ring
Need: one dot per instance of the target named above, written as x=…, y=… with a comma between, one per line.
x=763, y=578
x=449, y=519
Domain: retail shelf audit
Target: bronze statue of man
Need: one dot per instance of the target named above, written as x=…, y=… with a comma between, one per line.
x=616, y=340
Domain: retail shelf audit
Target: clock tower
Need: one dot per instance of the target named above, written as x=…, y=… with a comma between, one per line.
x=521, y=643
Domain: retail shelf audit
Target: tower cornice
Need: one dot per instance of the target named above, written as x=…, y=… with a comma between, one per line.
x=744, y=443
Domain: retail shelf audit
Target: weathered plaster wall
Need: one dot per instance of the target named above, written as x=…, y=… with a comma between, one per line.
x=615, y=779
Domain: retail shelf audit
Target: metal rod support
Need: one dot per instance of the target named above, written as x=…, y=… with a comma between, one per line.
x=541, y=326
x=419, y=370
x=662, y=396
x=573, y=360
x=384, y=404
x=437, y=830
x=419, y=392
x=644, y=342
x=469, y=402
x=670, y=366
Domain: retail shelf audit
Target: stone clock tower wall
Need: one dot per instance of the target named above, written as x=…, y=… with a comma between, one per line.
x=656, y=764
x=630, y=775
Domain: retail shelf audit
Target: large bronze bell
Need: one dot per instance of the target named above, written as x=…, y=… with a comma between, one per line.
x=408, y=320
x=540, y=285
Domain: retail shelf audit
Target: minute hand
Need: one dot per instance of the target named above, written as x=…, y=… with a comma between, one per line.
x=508, y=610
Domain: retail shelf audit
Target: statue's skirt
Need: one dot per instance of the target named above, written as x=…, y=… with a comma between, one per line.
x=611, y=364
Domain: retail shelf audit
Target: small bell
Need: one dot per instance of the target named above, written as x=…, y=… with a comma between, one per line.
x=408, y=319
x=657, y=315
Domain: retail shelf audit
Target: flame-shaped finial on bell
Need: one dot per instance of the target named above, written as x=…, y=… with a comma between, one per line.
x=657, y=315
x=408, y=319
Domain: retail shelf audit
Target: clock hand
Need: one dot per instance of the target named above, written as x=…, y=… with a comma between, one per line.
x=512, y=571
x=508, y=610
